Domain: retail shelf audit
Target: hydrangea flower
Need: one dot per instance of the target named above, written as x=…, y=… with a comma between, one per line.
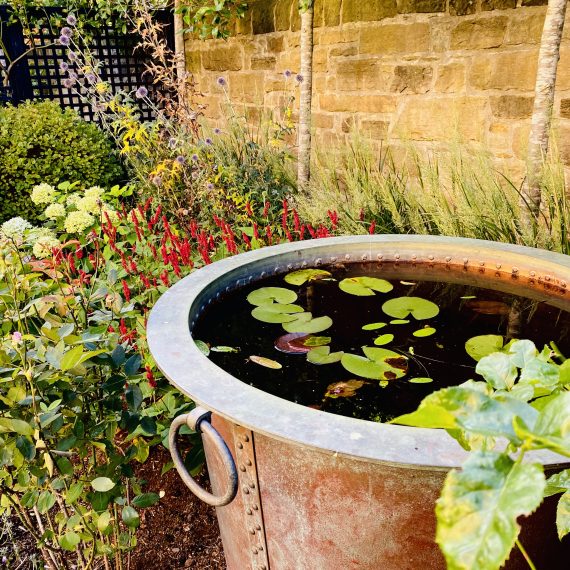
x=55, y=211
x=15, y=227
x=72, y=200
x=94, y=192
x=78, y=221
x=89, y=204
x=44, y=246
x=42, y=194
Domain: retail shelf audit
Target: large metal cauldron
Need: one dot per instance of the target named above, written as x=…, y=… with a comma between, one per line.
x=308, y=490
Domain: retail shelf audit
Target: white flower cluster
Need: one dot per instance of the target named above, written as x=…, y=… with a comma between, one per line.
x=78, y=221
x=44, y=246
x=42, y=194
x=15, y=228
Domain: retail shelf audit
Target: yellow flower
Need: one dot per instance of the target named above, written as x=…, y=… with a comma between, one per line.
x=55, y=211
x=78, y=221
x=44, y=246
x=42, y=194
x=94, y=192
x=101, y=87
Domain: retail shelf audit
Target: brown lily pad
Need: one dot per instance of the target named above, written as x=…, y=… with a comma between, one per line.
x=292, y=343
x=344, y=389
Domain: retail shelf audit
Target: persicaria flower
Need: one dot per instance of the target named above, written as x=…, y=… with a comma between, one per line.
x=55, y=211
x=126, y=291
x=64, y=40
x=42, y=194
x=141, y=92
x=65, y=31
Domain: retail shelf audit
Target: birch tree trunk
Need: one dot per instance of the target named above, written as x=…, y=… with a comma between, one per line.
x=304, y=157
x=179, y=49
x=548, y=57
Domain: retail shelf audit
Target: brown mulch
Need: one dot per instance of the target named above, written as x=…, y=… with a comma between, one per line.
x=178, y=532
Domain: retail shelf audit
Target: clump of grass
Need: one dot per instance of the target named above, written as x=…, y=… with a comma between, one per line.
x=459, y=192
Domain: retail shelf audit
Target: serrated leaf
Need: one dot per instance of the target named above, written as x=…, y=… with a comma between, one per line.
x=365, y=286
x=498, y=370
x=563, y=515
x=102, y=484
x=483, y=345
x=479, y=506
x=303, y=275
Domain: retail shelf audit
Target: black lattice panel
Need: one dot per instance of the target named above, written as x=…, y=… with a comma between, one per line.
x=38, y=75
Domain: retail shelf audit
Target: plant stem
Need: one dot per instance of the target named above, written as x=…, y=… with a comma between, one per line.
x=525, y=554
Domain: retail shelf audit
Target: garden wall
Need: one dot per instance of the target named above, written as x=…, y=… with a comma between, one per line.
x=418, y=70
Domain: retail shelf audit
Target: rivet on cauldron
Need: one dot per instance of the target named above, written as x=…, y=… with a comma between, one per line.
x=249, y=512
x=252, y=485
x=259, y=547
x=347, y=257
x=396, y=256
x=218, y=295
x=333, y=259
x=240, y=445
x=465, y=261
x=364, y=257
x=304, y=264
x=248, y=462
x=515, y=270
x=532, y=273
x=379, y=256
x=430, y=257
x=263, y=567
x=257, y=527
x=289, y=266
x=276, y=269
x=250, y=279
x=318, y=261
x=255, y=507
x=242, y=468
x=238, y=282
x=263, y=274
x=498, y=266
x=254, y=550
x=547, y=277
x=245, y=438
x=246, y=490
x=448, y=259
x=252, y=531
x=482, y=263
x=414, y=257
x=562, y=283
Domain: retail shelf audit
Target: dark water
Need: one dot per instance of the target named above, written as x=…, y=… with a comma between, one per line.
x=441, y=356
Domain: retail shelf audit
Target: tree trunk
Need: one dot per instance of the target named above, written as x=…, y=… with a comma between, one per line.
x=304, y=157
x=179, y=49
x=548, y=57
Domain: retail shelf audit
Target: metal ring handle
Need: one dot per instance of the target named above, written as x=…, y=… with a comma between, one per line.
x=199, y=420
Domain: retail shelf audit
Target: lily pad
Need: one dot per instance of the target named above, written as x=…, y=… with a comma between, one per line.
x=269, y=295
x=483, y=345
x=383, y=339
x=317, y=341
x=224, y=349
x=379, y=364
x=202, y=347
x=311, y=326
x=373, y=326
x=420, y=380
x=343, y=389
x=426, y=331
x=402, y=307
x=303, y=275
x=268, y=314
x=323, y=355
x=365, y=286
x=266, y=362
x=292, y=343
x=400, y=322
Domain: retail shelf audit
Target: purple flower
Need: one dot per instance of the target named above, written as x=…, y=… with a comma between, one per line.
x=287, y=73
x=66, y=32
x=68, y=82
x=141, y=92
x=299, y=78
x=157, y=180
x=64, y=40
x=72, y=55
x=180, y=159
x=210, y=186
x=73, y=75
x=209, y=141
x=91, y=77
x=71, y=20
x=63, y=66
x=222, y=82
x=172, y=143
x=17, y=337
x=194, y=158
x=217, y=131
x=194, y=175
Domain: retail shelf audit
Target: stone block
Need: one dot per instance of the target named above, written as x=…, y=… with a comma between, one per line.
x=272, y=84
x=412, y=79
x=247, y=87
x=563, y=71
x=534, y=2
x=275, y=43
x=368, y=11
x=514, y=70
x=526, y=29
x=420, y=6
x=512, y=106
x=520, y=141
x=263, y=62
x=327, y=13
x=565, y=109
x=193, y=56
x=563, y=137
x=223, y=58
x=322, y=121
x=295, y=18
x=320, y=59
x=439, y=119
x=357, y=74
x=339, y=36
x=395, y=38
x=347, y=124
x=343, y=51
x=480, y=33
x=356, y=103
x=487, y=5
x=283, y=14
x=450, y=78
x=462, y=7
x=375, y=129
x=262, y=20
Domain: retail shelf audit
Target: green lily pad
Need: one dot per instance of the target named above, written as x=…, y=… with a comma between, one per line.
x=373, y=326
x=276, y=313
x=202, y=347
x=383, y=339
x=365, y=286
x=399, y=322
x=483, y=345
x=361, y=366
x=303, y=275
x=317, y=341
x=379, y=364
x=323, y=355
x=343, y=389
x=311, y=326
x=402, y=307
x=420, y=380
x=269, y=295
x=426, y=331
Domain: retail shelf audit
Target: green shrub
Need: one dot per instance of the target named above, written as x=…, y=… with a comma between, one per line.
x=39, y=142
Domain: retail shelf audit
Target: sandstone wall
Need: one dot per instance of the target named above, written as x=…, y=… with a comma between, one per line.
x=395, y=69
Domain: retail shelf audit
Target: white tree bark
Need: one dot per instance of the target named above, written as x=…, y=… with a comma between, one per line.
x=304, y=146
x=548, y=57
x=179, y=49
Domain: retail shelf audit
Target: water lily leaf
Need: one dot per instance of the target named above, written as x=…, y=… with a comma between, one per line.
x=292, y=343
x=365, y=286
x=202, y=347
x=266, y=362
x=323, y=355
x=379, y=364
x=303, y=275
x=363, y=367
x=383, y=339
x=479, y=506
x=402, y=307
x=480, y=346
x=317, y=340
x=269, y=295
x=373, y=326
x=313, y=326
x=343, y=389
x=224, y=349
x=266, y=314
x=399, y=322
x=420, y=380
x=426, y=331
x=488, y=307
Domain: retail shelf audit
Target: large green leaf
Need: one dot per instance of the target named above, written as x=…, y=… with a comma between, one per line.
x=522, y=352
x=378, y=364
x=8, y=425
x=71, y=358
x=303, y=275
x=499, y=370
x=269, y=295
x=102, y=484
x=276, y=313
x=402, y=307
x=130, y=517
x=542, y=376
x=483, y=345
x=69, y=540
x=145, y=500
x=563, y=515
x=479, y=506
x=323, y=355
x=559, y=483
x=313, y=326
x=365, y=286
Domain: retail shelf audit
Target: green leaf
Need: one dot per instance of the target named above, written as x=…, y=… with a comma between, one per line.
x=317, y=341
x=542, y=376
x=145, y=500
x=563, y=515
x=498, y=370
x=71, y=358
x=269, y=314
x=133, y=364
x=323, y=355
x=73, y=493
x=69, y=540
x=130, y=517
x=399, y=322
x=343, y=389
x=313, y=326
x=483, y=345
x=134, y=397
x=222, y=348
x=522, y=352
x=25, y=447
x=202, y=347
x=402, y=307
x=8, y=425
x=103, y=521
x=426, y=331
x=303, y=275
x=266, y=362
x=379, y=364
x=373, y=326
x=269, y=295
x=362, y=366
x=102, y=484
x=420, y=380
x=46, y=501
x=479, y=506
x=365, y=286
x=383, y=339
x=558, y=483
x=565, y=372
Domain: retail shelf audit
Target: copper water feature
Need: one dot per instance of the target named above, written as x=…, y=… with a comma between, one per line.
x=300, y=489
